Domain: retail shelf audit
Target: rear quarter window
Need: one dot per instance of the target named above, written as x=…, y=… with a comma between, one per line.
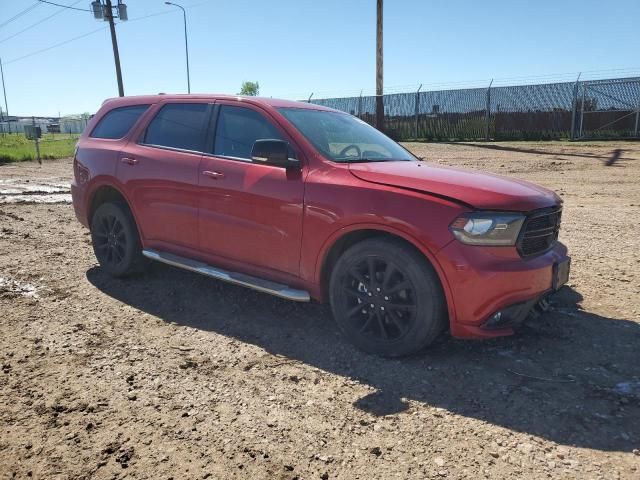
x=117, y=122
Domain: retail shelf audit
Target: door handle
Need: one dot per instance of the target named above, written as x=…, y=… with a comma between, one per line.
x=129, y=161
x=214, y=175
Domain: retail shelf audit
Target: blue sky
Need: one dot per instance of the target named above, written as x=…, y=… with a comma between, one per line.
x=295, y=47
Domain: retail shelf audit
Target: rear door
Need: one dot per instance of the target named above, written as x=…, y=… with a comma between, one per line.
x=249, y=213
x=159, y=170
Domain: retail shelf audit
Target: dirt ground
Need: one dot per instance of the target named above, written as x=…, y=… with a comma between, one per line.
x=173, y=375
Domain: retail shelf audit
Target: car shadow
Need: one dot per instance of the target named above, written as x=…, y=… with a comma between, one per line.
x=559, y=379
x=614, y=158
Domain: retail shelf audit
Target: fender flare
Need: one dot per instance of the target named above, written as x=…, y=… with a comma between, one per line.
x=99, y=183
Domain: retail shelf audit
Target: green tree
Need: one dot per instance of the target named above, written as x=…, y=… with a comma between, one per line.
x=250, y=88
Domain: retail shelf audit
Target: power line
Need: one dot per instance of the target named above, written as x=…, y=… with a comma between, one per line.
x=19, y=14
x=56, y=45
x=151, y=15
x=88, y=33
x=65, y=6
x=57, y=12
x=165, y=12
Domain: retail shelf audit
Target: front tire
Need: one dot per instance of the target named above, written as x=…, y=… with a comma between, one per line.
x=386, y=298
x=115, y=239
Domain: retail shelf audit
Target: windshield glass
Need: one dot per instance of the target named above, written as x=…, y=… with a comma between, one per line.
x=344, y=138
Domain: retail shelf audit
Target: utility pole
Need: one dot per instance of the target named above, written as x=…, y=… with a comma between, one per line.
x=114, y=43
x=105, y=12
x=4, y=90
x=379, y=70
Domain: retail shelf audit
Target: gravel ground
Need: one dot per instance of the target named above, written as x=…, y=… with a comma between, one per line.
x=172, y=375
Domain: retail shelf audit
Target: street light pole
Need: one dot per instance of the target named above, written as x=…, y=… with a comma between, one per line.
x=186, y=42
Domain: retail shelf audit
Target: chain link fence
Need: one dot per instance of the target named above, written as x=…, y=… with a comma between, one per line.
x=602, y=109
x=71, y=125
x=595, y=109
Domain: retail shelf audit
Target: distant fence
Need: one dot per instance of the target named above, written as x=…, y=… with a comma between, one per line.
x=70, y=125
x=18, y=127
x=574, y=110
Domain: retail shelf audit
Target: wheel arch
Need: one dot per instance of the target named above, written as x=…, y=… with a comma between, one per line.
x=107, y=192
x=345, y=238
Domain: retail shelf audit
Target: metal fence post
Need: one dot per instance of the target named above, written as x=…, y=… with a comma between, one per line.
x=488, y=112
x=584, y=92
x=637, y=113
x=572, y=133
x=36, y=140
x=417, y=111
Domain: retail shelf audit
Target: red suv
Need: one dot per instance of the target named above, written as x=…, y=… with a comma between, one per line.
x=302, y=202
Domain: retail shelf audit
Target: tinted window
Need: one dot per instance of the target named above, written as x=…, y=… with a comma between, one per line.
x=178, y=125
x=118, y=122
x=237, y=130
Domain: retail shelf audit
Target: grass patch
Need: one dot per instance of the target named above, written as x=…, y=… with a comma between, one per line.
x=16, y=147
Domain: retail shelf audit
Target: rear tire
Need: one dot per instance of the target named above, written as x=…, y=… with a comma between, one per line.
x=386, y=298
x=116, y=242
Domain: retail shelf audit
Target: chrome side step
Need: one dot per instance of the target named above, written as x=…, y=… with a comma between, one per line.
x=266, y=286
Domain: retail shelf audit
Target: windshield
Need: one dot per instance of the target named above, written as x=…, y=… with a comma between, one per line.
x=344, y=138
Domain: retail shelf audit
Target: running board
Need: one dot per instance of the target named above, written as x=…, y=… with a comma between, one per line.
x=259, y=284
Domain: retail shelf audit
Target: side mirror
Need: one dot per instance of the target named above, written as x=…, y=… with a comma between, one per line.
x=272, y=152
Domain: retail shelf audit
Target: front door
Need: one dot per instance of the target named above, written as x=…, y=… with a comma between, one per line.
x=249, y=213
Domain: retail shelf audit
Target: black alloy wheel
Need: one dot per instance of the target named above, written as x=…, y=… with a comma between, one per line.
x=381, y=299
x=110, y=240
x=115, y=239
x=386, y=298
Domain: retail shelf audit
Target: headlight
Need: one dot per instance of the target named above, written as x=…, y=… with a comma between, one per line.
x=487, y=228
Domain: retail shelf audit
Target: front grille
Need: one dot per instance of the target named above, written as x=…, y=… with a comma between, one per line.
x=540, y=231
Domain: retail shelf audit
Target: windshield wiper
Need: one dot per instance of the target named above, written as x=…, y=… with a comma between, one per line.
x=366, y=160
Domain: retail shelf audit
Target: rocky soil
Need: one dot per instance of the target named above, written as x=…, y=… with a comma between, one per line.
x=172, y=375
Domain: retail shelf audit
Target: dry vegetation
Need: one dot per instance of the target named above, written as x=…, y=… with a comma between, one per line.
x=173, y=375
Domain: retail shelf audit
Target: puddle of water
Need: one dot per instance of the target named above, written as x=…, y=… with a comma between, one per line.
x=54, y=198
x=18, y=188
x=41, y=191
x=21, y=288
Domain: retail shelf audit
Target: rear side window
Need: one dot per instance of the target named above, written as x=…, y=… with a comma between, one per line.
x=178, y=125
x=117, y=122
x=237, y=130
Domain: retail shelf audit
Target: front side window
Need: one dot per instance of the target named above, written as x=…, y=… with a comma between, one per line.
x=117, y=122
x=237, y=130
x=344, y=138
x=178, y=125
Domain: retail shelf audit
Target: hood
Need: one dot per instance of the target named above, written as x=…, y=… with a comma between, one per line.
x=478, y=189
